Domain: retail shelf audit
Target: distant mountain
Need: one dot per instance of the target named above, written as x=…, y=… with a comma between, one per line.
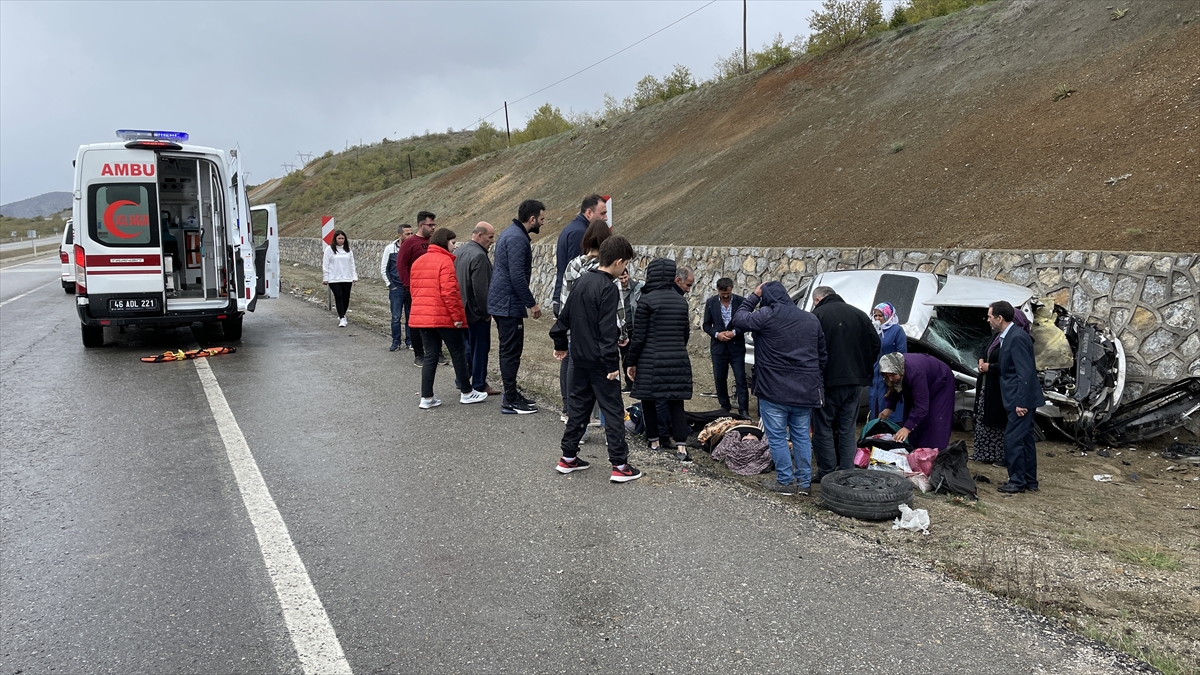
x=41, y=205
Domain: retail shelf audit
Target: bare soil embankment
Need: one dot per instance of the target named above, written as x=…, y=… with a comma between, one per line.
x=1116, y=561
x=939, y=135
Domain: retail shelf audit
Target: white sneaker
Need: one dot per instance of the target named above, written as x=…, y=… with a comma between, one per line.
x=473, y=397
x=342, y=323
x=427, y=403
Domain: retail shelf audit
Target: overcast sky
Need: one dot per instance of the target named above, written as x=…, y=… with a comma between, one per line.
x=277, y=78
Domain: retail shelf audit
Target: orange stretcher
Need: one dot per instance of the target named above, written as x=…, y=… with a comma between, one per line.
x=182, y=355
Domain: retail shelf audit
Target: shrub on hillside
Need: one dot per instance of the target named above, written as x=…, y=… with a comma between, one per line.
x=920, y=10
x=545, y=121
x=772, y=54
x=840, y=22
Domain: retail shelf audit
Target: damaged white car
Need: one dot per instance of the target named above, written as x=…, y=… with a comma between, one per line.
x=1081, y=366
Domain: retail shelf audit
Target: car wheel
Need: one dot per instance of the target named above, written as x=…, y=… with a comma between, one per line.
x=93, y=336
x=232, y=328
x=865, y=494
x=69, y=287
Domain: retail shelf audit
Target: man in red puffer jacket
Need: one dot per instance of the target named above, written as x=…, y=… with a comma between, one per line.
x=437, y=312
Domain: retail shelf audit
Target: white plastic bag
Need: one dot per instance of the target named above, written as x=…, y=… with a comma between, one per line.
x=891, y=458
x=912, y=520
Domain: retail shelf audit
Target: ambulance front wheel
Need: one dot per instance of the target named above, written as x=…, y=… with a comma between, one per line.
x=93, y=336
x=69, y=287
x=232, y=327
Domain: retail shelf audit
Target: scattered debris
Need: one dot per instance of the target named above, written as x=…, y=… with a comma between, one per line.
x=1102, y=452
x=912, y=519
x=1118, y=179
x=1187, y=507
x=1102, y=478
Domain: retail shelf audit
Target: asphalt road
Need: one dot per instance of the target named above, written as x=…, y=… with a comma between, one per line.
x=433, y=541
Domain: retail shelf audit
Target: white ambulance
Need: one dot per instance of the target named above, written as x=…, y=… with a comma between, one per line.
x=164, y=236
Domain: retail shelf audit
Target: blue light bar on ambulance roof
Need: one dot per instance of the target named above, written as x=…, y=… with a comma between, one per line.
x=146, y=135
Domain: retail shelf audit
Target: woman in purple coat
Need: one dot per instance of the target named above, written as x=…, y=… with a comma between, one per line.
x=927, y=387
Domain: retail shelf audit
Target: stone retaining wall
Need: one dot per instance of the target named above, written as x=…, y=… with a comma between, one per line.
x=1149, y=300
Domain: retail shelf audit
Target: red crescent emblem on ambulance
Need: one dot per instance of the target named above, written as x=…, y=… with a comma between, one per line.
x=108, y=219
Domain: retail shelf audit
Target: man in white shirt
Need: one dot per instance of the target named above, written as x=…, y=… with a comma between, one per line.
x=391, y=277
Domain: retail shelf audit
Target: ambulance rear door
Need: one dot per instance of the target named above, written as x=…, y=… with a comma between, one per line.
x=264, y=224
x=240, y=237
x=118, y=231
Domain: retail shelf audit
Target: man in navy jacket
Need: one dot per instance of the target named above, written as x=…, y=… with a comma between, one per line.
x=1021, y=393
x=789, y=360
x=509, y=296
x=570, y=239
x=727, y=346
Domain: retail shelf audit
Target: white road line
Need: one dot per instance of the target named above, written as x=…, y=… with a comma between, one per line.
x=28, y=292
x=312, y=634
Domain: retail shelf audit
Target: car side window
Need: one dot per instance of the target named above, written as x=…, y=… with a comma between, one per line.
x=900, y=291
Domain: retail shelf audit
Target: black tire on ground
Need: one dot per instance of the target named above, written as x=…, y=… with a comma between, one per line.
x=865, y=494
x=232, y=327
x=69, y=287
x=93, y=336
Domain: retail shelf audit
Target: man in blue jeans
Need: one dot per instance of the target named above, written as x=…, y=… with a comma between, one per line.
x=387, y=267
x=789, y=363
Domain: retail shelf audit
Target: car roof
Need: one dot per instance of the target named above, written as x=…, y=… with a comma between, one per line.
x=959, y=291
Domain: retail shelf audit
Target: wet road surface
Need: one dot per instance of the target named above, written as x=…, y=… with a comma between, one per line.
x=432, y=540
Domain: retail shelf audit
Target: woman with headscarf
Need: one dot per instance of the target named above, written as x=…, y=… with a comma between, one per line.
x=990, y=415
x=658, y=361
x=926, y=385
x=891, y=339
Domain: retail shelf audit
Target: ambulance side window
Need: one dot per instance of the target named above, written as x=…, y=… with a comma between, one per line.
x=123, y=214
x=258, y=224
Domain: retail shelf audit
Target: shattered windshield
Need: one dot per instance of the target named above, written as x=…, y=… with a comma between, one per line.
x=961, y=334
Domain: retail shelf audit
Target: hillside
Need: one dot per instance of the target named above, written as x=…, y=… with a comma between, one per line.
x=46, y=204
x=938, y=135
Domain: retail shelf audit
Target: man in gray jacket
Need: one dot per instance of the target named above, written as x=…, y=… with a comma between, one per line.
x=474, y=271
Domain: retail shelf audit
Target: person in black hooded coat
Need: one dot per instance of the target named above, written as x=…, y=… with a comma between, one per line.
x=658, y=360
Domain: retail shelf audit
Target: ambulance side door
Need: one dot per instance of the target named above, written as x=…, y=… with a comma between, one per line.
x=264, y=222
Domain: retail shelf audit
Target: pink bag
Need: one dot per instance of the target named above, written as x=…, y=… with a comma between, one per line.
x=862, y=457
x=921, y=459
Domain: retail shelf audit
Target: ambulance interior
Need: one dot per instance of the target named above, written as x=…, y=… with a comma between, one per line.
x=192, y=205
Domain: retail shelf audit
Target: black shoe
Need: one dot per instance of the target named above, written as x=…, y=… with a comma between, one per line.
x=527, y=401
x=443, y=360
x=517, y=408
x=418, y=361
x=775, y=486
x=394, y=347
x=1010, y=489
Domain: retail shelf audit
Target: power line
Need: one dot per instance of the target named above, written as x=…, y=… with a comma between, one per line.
x=580, y=72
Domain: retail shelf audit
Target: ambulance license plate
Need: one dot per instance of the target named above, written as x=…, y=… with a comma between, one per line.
x=133, y=304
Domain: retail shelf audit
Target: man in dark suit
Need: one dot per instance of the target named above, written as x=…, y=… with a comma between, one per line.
x=1021, y=393
x=728, y=345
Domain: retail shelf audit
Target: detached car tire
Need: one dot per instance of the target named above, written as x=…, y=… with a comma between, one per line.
x=865, y=494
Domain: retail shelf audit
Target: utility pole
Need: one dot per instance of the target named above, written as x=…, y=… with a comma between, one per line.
x=745, y=53
x=507, y=130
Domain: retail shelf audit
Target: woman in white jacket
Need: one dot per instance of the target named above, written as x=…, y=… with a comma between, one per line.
x=338, y=272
